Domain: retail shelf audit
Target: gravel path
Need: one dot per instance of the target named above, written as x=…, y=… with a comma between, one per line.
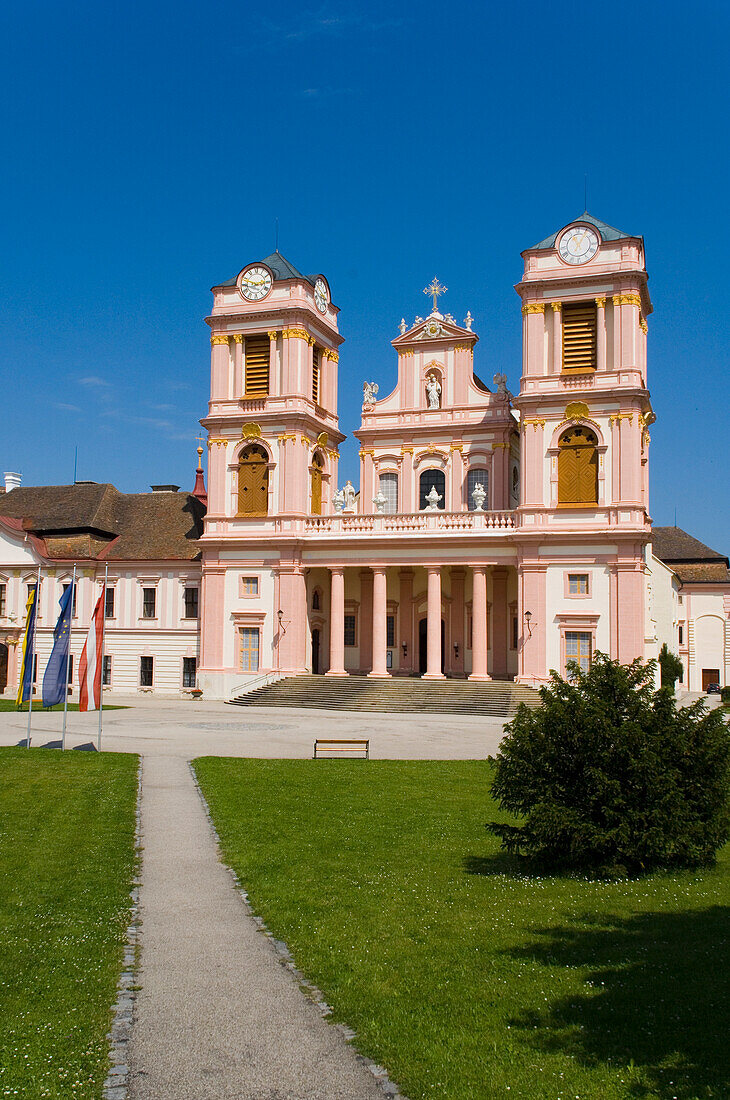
x=217, y=1016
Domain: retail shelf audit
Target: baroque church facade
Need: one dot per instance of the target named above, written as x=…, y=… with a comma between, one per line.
x=492, y=536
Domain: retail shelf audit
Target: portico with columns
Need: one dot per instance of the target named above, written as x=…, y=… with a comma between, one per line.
x=490, y=536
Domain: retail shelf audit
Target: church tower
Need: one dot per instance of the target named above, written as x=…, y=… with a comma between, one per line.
x=272, y=417
x=584, y=410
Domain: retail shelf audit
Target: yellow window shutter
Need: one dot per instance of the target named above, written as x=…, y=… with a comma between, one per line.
x=256, y=382
x=579, y=336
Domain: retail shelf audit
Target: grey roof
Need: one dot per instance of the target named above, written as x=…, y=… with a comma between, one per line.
x=281, y=268
x=607, y=232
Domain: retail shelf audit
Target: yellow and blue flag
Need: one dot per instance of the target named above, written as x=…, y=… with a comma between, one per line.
x=56, y=674
x=25, y=681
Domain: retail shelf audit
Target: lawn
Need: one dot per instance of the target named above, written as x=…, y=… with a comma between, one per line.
x=67, y=861
x=464, y=976
x=38, y=708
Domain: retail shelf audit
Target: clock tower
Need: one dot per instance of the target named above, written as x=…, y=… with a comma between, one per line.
x=584, y=413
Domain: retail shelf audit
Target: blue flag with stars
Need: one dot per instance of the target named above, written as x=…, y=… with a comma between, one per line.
x=54, y=680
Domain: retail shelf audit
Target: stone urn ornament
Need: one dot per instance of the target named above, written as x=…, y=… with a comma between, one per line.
x=433, y=499
x=380, y=502
x=479, y=495
x=338, y=500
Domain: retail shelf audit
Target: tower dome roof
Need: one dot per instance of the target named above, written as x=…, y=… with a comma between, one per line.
x=280, y=267
x=607, y=232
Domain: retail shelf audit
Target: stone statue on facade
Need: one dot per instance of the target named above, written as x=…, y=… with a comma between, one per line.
x=380, y=501
x=500, y=380
x=433, y=499
x=433, y=392
x=403, y=326
x=339, y=500
x=350, y=496
x=479, y=495
x=369, y=391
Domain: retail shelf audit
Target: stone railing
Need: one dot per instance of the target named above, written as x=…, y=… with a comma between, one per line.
x=409, y=522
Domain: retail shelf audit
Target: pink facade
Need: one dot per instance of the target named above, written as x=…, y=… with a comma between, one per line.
x=454, y=558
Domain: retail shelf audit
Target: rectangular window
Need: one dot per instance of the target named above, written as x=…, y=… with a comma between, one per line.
x=66, y=587
x=473, y=478
x=191, y=603
x=681, y=634
x=249, y=649
x=2, y=601
x=579, y=336
x=256, y=368
x=146, y=671
x=578, y=648
x=106, y=671
x=350, y=629
x=109, y=604
x=390, y=631
x=316, y=354
x=149, y=596
x=250, y=586
x=515, y=632
x=389, y=489
x=577, y=584
x=190, y=667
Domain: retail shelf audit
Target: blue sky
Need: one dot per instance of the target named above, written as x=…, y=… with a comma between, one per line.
x=148, y=150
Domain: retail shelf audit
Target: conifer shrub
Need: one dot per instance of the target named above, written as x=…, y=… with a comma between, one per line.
x=609, y=776
x=725, y=695
x=670, y=667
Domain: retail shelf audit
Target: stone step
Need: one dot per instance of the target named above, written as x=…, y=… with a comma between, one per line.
x=400, y=695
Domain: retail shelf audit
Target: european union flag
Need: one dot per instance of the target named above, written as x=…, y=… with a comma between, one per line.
x=54, y=680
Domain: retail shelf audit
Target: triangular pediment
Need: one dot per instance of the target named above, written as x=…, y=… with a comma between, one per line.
x=435, y=329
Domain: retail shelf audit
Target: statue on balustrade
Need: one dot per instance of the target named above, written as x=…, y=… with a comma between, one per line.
x=350, y=495
x=479, y=495
x=433, y=499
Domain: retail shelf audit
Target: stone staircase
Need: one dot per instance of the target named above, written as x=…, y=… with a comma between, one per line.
x=399, y=695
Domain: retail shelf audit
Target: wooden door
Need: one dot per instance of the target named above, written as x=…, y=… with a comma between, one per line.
x=316, y=486
x=710, y=676
x=578, y=467
x=253, y=483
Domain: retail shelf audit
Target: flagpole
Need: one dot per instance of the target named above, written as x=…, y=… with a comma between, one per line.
x=103, y=635
x=68, y=657
x=32, y=654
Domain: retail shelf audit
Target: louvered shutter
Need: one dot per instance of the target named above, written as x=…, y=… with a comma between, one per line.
x=579, y=336
x=257, y=366
x=315, y=375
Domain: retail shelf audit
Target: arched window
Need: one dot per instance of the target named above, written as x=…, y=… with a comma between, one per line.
x=316, y=475
x=389, y=489
x=578, y=467
x=473, y=478
x=432, y=479
x=253, y=482
x=315, y=600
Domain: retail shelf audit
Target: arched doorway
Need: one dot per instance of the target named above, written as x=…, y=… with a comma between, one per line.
x=423, y=646
x=578, y=467
x=316, y=670
x=3, y=666
x=253, y=482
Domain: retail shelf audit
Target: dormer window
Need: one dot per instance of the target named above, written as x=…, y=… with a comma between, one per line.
x=579, y=336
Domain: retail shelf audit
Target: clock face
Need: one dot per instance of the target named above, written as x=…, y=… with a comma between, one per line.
x=578, y=245
x=321, y=295
x=255, y=283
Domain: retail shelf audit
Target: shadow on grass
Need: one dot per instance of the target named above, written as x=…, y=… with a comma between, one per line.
x=657, y=999
x=500, y=863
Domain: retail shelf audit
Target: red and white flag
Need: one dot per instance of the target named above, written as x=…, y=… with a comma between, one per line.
x=90, y=663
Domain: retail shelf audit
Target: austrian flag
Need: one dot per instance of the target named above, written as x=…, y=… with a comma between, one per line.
x=90, y=663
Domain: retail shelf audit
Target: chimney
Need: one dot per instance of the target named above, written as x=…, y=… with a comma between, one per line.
x=12, y=481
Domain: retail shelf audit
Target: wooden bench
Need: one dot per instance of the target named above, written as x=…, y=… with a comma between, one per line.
x=348, y=745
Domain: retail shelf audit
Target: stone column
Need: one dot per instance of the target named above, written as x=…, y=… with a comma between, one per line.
x=557, y=337
x=380, y=637
x=337, y=624
x=499, y=624
x=239, y=381
x=479, y=624
x=433, y=665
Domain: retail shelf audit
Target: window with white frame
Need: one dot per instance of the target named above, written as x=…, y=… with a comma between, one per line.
x=106, y=671
x=477, y=476
x=250, y=639
x=109, y=603
x=149, y=603
x=189, y=670
x=389, y=489
x=190, y=601
x=146, y=671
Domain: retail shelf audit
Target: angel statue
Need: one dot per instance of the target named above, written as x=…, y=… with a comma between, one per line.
x=369, y=390
x=433, y=499
x=433, y=391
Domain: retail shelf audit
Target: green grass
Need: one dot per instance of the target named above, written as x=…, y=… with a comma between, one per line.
x=38, y=708
x=464, y=976
x=67, y=861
